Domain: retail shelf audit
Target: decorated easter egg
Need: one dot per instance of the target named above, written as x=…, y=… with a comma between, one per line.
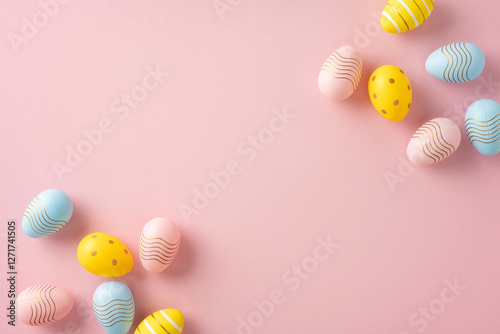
x=167, y=321
x=104, y=255
x=403, y=15
x=456, y=62
x=47, y=213
x=43, y=305
x=434, y=141
x=390, y=92
x=114, y=307
x=482, y=123
x=340, y=74
x=160, y=240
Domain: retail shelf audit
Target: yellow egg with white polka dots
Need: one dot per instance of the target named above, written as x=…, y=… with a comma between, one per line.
x=104, y=255
x=390, y=92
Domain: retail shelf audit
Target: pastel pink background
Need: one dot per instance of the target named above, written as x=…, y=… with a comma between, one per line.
x=324, y=175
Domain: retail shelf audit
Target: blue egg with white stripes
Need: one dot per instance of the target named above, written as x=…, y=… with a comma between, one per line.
x=47, y=213
x=456, y=62
x=482, y=123
x=114, y=307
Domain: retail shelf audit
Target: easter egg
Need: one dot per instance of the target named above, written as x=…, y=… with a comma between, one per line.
x=434, y=141
x=482, y=123
x=47, y=213
x=167, y=321
x=340, y=74
x=456, y=62
x=160, y=240
x=404, y=15
x=104, y=255
x=114, y=307
x=42, y=305
x=390, y=92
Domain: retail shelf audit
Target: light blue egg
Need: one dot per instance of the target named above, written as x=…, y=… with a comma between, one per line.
x=456, y=62
x=47, y=213
x=482, y=122
x=114, y=307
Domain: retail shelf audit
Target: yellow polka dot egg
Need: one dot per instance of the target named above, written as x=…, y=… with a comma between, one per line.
x=390, y=92
x=104, y=255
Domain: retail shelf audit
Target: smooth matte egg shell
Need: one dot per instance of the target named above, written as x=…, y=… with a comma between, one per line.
x=339, y=77
x=159, y=243
x=390, y=92
x=42, y=305
x=114, y=307
x=434, y=141
x=47, y=213
x=167, y=321
x=482, y=123
x=456, y=62
x=104, y=255
x=404, y=15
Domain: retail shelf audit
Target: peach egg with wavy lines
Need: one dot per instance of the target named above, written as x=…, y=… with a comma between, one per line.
x=482, y=123
x=434, y=141
x=456, y=62
x=159, y=243
x=42, y=305
x=47, y=213
x=339, y=77
x=404, y=15
x=114, y=307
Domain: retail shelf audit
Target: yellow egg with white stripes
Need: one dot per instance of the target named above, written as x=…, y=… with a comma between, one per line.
x=404, y=15
x=167, y=321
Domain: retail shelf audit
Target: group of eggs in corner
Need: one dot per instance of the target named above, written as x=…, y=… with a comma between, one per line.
x=103, y=255
x=390, y=90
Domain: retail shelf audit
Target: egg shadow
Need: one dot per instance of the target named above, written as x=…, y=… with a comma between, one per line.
x=360, y=99
x=441, y=19
x=80, y=316
x=74, y=228
x=191, y=326
x=184, y=259
x=422, y=109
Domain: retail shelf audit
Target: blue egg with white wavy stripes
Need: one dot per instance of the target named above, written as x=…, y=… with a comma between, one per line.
x=482, y=123
x=114, y=307
x=456, y=62
x=47, y=213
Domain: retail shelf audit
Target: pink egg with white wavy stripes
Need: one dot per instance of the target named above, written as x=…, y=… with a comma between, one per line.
x=434, y=141
x=43, y=304
x=160, y=240
x=339, y=77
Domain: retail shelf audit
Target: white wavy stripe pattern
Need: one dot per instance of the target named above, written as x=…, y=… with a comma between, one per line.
x=486, y=132
x=39, y=220
x=115, y=311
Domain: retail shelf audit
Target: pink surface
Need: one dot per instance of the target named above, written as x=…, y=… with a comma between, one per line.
x=322, y=215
